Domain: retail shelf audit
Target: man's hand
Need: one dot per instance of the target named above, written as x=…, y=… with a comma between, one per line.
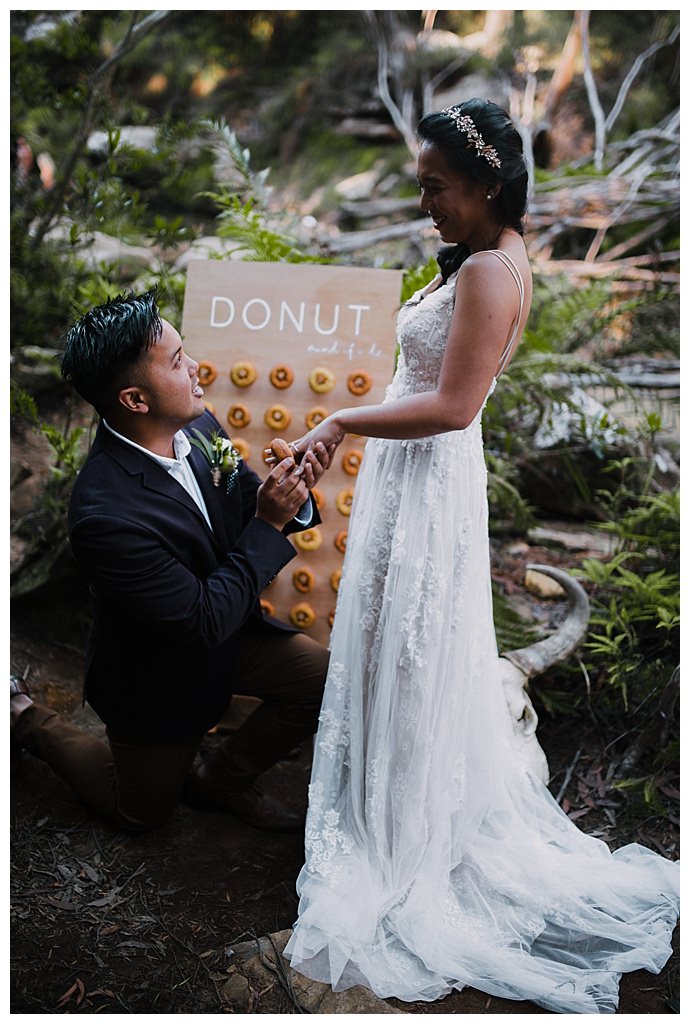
x=282, y=493
x=312, y=464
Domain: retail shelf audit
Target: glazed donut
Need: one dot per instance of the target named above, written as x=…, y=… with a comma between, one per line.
x=241, y=447
x=281, y=376
x=318, y=497
x=238, y=415
x=340, y=541
x=277, y=417
x=315, y=416
x=210, y=407
x=281, y=449
x=277, y=451
x=321, y=380
x=303, y=580
x=359, y=382
x=343, y=501
x=302, y=615
x=309, y=540
x=207, y=373
x=266, y=607
x=351, y=461
x=335, y=579
x=331, y=617
x=243, y=374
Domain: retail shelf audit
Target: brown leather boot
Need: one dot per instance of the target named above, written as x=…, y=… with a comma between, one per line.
x=251, y=805
x=20, y=690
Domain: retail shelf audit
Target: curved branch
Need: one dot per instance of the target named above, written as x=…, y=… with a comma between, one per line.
x=632, y=75
x=396, y=114
x=592, y=95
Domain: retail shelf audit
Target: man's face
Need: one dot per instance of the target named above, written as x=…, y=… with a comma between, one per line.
x=169, y=381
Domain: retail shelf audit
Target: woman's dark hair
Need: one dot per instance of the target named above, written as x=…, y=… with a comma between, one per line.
x=106, y=342
x=464, y=154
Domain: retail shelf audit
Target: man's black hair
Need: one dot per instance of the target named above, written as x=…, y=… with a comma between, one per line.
x=106, y=342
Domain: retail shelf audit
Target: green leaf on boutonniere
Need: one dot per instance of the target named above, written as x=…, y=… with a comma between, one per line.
x=203, y=444
x=222, y=457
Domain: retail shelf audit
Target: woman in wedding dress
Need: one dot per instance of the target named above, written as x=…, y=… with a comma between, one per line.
x=434, y=860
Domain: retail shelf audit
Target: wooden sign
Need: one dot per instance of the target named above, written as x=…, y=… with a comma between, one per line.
x=281, y=346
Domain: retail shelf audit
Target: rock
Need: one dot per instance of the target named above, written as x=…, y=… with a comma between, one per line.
x=544, y=586
x=580, y=416
x=33, y=367
x=261, y=964
x=107, y=249
x=238, y=994
x=98, y=248
x=18, y=549
x=137, y=136
x=470, y=86
x=362, y=128
x=318, y=997
x=520, y=547
x=206, y=248
x=574, y=539
x=359, y=186
x=19, y=472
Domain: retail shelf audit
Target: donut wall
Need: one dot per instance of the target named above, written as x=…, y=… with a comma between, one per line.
x=281, y=346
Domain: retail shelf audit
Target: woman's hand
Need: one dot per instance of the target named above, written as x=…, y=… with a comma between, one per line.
x=312, y=462
x=329, y=433
x=321, y=442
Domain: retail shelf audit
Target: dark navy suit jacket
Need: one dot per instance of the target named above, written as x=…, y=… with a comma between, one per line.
x=170, y=595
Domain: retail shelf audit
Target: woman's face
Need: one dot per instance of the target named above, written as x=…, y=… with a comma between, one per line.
x=457, y=204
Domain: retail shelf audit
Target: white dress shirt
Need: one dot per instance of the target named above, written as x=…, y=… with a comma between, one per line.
x=179, y=468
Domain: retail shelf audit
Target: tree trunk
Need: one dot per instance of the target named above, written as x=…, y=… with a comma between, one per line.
x=561, y=80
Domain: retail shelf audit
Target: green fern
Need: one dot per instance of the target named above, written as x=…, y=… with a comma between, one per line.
x=562, y=318
x=240, y=221
x=242, y=203
x=634, y=635
x=512, y=631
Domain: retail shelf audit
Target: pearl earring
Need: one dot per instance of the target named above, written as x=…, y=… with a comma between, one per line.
x=489, y=196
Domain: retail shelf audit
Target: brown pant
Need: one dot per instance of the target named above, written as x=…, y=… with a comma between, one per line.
x=136, y=784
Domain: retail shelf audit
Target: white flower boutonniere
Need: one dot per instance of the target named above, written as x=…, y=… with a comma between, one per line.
x=223, y=458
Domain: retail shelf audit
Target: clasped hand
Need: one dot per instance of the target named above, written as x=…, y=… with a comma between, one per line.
x=287, y=486
x=322, y=440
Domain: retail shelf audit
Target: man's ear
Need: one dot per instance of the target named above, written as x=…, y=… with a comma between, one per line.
x=132, y=400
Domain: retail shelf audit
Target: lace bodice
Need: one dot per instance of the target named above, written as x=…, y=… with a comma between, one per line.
x=423, y=324
x=423, y=329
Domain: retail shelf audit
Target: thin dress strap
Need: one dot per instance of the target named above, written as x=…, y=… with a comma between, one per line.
x=509, y=263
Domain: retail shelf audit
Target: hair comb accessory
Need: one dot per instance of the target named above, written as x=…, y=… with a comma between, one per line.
x=464, y=123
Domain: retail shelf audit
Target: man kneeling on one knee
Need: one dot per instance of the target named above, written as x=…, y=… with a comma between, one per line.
x=176, y=559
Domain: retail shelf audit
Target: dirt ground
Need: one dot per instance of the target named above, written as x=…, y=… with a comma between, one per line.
x=102, y=922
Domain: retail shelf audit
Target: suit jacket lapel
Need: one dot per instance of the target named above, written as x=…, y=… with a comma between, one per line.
x=212, y=495
x=155, y=478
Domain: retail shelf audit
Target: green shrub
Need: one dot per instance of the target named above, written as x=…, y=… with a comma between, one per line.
x=632, y=650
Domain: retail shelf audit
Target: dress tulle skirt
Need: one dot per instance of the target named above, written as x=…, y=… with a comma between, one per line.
x=433, y=859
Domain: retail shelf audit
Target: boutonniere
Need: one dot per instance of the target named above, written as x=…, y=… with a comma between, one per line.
x=223, y=458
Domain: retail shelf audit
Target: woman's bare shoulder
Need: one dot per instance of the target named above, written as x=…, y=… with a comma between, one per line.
x=489, y=265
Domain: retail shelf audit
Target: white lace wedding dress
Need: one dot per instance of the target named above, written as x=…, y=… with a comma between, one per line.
x=433, y=859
